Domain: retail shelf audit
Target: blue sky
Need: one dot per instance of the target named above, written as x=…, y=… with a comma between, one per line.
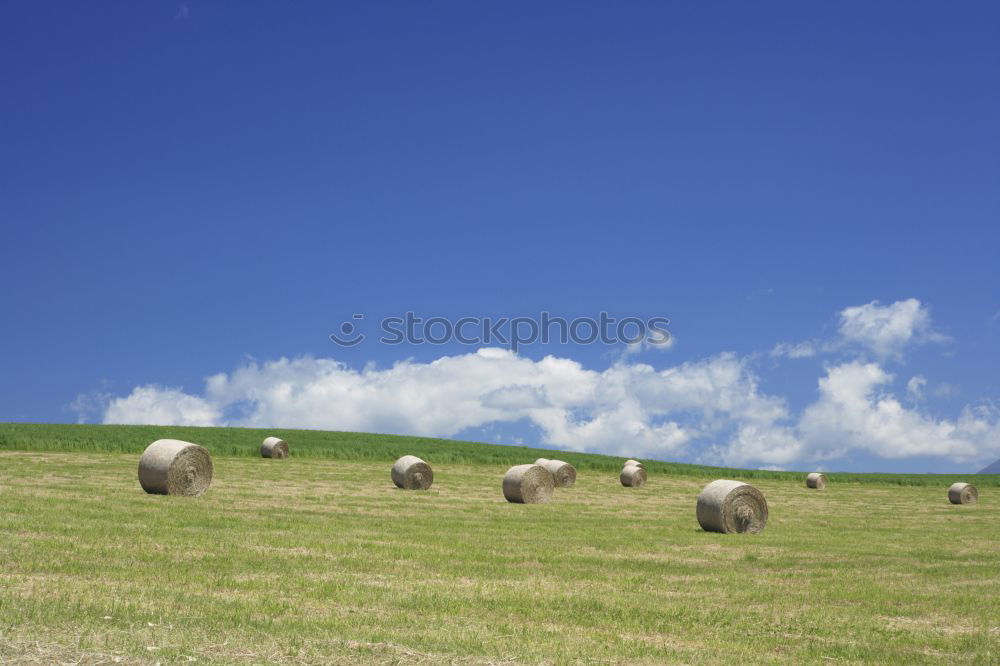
x=204, y=188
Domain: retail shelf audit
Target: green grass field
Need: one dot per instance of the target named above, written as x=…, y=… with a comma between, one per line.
x=319, y=559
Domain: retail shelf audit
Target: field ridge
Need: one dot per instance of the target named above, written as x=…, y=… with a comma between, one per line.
x=335, y=445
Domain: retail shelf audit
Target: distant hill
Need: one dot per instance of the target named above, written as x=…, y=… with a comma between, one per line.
x=991, y=469
x=245, y=442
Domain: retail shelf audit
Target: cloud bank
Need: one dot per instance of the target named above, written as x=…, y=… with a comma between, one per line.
x=711, y=409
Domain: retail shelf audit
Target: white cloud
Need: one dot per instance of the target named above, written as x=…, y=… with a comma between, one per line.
x=711, y=409
x=852, y=414
x=627, y=408
x=759, y=443
x=154, y=405
x=888, y=329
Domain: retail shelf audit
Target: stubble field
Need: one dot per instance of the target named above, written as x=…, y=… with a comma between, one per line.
x=323, y=560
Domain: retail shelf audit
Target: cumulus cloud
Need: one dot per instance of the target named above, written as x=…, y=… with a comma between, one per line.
x=627, y=408
x=712, y=410
x=884, y=330
x=755, y=443
x=888, y=329
x=155, y=405
x=853, y=413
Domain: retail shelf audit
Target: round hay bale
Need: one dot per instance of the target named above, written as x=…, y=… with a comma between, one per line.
x=563, y=474
x=528, y=484
x=633, y=476
x=731, y=506
x=173, y=467
x=541, y=461
x=412, y=473
x=633, y=462
x=963, y=493
x=274, y=448
x=816, y=480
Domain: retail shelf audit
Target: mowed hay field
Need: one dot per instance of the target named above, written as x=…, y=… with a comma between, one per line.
x=324, y=560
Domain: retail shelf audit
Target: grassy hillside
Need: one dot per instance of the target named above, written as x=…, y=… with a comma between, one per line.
x=245, y=442
x=317, y=561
